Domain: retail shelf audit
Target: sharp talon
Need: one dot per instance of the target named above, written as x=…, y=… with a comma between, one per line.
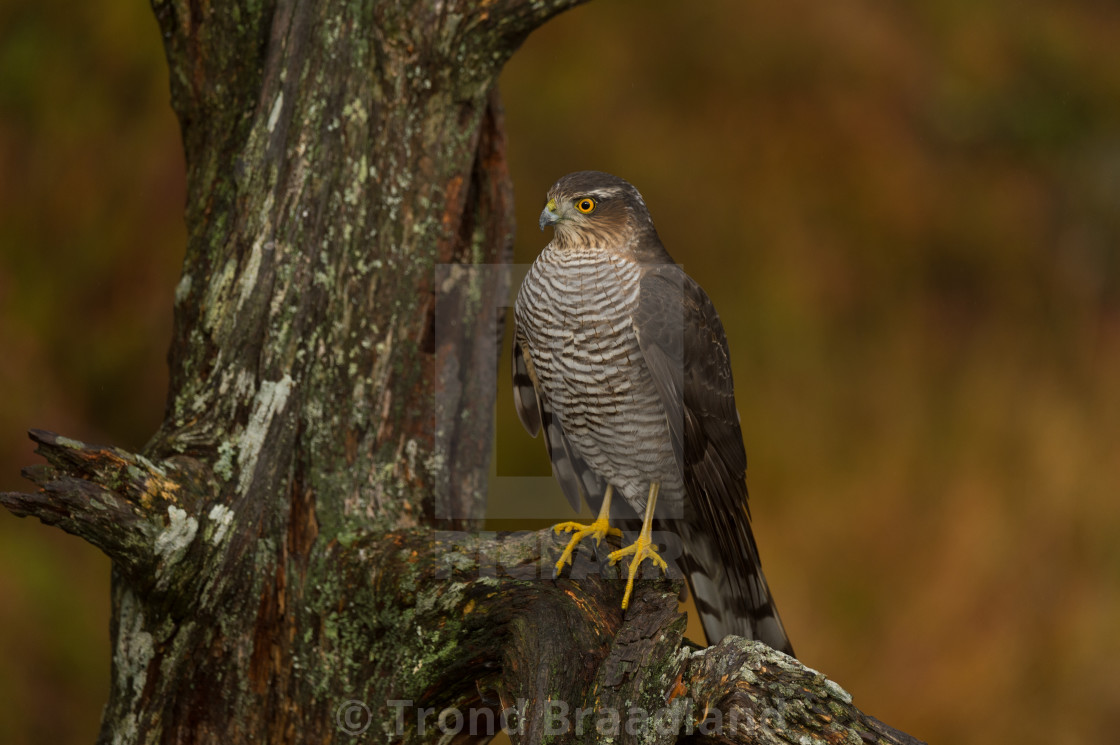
x=596, y=530
x=639, y=550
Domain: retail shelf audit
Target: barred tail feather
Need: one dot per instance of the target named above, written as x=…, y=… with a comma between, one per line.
x=730, y=592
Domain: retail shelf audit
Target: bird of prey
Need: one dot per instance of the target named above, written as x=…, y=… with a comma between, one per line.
x=620, y=358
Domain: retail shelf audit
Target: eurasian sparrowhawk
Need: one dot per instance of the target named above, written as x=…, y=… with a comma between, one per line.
x=620, y=357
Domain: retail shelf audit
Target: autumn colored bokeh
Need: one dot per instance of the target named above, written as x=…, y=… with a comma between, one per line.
x=908, y=216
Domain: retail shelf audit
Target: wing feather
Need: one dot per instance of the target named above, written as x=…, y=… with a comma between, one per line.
x=525, y=398
x=685, y=349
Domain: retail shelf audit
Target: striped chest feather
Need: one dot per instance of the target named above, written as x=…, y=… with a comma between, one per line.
x=576, y=310
x=575, y=318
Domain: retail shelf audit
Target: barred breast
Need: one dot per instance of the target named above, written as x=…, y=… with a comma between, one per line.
x=574, y=316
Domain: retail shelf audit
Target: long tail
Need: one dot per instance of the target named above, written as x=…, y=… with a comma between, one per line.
x=727, y=583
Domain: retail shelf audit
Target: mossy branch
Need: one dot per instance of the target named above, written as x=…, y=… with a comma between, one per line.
x=564, y=661
x=138, y=512
x=559, y=657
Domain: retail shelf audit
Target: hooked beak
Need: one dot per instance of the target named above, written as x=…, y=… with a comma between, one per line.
x=549, y=215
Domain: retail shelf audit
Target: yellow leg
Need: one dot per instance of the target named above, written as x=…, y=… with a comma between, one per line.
x=597, y=530
x=643, y=548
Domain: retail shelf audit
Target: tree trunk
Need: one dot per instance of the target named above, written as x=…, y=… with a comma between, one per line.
x=292, y=555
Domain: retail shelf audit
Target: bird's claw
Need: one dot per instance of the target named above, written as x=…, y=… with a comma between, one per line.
x=639, y=550
x=597, y=530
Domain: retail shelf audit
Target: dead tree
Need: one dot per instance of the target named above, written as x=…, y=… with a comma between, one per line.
x=292, y=559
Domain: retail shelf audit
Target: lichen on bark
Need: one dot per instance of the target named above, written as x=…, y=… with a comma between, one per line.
x=298, y=535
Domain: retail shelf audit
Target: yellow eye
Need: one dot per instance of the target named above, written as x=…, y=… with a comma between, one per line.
x=585, y=205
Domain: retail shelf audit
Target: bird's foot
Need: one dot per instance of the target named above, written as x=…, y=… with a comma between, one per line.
x=597, y=530
x=639, y=550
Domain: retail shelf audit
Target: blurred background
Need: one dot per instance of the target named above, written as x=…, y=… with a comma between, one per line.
x=908, y=216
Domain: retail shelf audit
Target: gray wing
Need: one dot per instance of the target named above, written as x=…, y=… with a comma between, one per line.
x=576, y=478
x=685, y=349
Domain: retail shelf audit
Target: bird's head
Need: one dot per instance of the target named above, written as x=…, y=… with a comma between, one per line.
x=597, y=210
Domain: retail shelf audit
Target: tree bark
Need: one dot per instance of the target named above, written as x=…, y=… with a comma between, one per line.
x=293, y=555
